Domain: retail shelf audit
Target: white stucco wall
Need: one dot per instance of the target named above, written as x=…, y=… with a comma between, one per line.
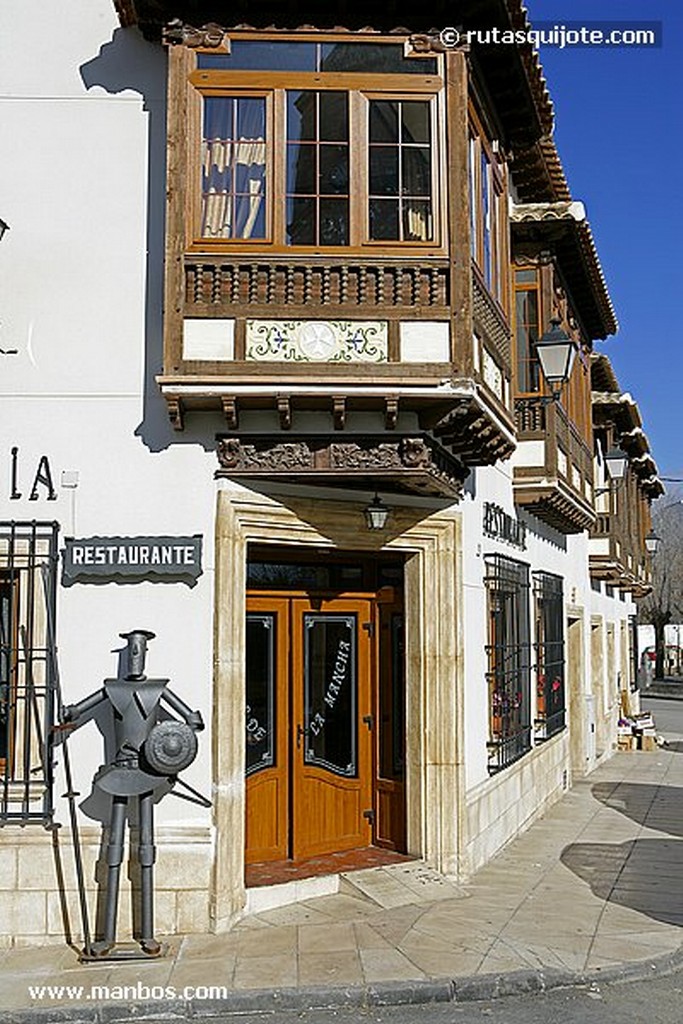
x=81, y=187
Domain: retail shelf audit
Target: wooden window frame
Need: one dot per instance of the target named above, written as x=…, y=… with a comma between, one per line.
x=496, y=276
x=527, y=286
x=361, y=89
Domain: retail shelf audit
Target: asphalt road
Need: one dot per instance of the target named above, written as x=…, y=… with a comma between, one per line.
x=659, y=1001
x=668, y=718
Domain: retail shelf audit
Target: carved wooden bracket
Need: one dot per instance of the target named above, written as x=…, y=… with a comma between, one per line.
x=210, y=36
x=339, y=411
x=391, y=413
x=229, y=404
x=284, y=409
x=176, y=411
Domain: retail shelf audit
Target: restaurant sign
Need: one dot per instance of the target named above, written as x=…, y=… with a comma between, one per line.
x=132, y=559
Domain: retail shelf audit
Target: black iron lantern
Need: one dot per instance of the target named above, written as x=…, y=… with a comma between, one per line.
x=376, y=514
x=556, y=353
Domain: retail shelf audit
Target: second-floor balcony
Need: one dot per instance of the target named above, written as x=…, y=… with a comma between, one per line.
x=553, y=474
x=315, y=351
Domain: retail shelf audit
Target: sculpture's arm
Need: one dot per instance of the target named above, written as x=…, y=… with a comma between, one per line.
x=72, y=712
x=193, y=718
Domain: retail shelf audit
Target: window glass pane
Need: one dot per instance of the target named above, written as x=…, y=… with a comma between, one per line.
x=417, y=221
x=474, y=198
x=301, y=116
x=330, y=684
x=252, y=55
x=525, y=276
x=334, y=170
x=384, y=121
x=250, y=216
x=384, y=222
x=526, y=336
x=375, y=58
x=334, y=222
x=383, y=171
x=334, y=117
x=234, y=167
x=486, y=217
x=218, y=117
x=260, y=722
x=415, y=121
x=318, y=168
x=301, y=169
x=417, y=172
x=301, y=221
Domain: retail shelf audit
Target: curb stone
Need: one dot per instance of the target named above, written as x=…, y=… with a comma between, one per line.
x=474, y=988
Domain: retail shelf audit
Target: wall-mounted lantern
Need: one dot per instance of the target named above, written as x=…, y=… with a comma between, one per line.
x=376, y=514
x=615, y=461
x=556, y=353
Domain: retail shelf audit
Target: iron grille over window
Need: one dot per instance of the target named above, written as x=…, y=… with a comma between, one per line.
x=550, y=696
x=28, y=573
x=509, y=661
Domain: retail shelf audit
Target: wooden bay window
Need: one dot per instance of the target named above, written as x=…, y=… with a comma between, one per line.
x=291, y=147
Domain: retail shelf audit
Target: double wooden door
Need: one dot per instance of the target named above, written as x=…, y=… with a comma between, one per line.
x=309, y=761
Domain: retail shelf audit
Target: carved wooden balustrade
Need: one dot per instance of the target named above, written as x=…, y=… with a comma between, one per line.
x=227, y=286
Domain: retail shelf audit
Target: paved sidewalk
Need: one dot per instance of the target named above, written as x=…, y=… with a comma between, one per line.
x=593, y=889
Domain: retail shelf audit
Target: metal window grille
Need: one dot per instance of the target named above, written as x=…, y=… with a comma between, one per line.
x=550, y=662
x=28, y=575
x=509, y=660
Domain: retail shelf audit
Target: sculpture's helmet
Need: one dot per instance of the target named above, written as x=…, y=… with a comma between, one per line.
x=137, y=651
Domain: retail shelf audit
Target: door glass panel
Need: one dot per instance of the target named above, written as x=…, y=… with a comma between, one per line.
x=260, y=722
x=330, y=685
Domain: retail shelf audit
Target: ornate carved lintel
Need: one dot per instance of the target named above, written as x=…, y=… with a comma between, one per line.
x=415, y=464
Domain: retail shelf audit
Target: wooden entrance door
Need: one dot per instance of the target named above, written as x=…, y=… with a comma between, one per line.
x=309, y=726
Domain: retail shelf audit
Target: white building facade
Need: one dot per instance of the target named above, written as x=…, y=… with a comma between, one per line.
x=459, y=616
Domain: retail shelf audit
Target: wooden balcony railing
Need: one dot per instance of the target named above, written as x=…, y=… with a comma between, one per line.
x=221, y=283
x=558, y=490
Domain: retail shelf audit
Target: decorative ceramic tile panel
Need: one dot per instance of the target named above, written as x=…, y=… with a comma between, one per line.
x=321, y=341
x=492, y=374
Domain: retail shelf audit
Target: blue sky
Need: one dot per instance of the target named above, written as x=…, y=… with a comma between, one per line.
x=619, y=134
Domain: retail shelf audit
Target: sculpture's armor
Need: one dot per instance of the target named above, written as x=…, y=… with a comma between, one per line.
x=136, y=706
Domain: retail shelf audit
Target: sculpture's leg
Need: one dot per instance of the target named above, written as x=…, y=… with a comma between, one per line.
x=114, y=858
x=147, y=856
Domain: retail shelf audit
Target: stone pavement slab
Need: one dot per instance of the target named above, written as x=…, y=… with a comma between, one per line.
x=591, y=890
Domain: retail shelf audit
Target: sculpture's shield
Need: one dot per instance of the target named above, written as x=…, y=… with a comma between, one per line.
x=170, y=747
